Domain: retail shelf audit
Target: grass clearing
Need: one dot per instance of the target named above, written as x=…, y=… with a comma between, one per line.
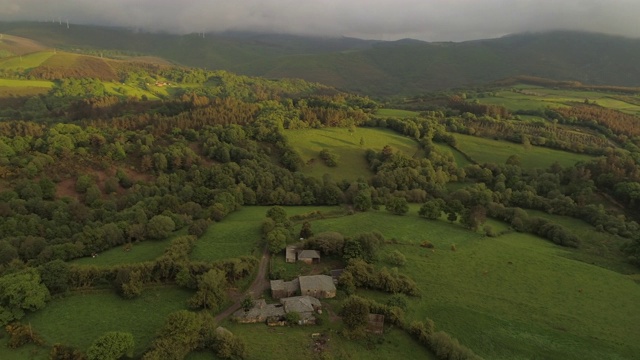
x=535, y=97
x=80, y=318
x=484, y=150
x=239, y=233
x=29, y=61
x=397, y=113
x=26, y=83
x=140, y=252
x=460, y=158
x=351, y=161
x=597, y=248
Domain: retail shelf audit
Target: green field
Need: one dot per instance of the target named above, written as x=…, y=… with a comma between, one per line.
x=79, y=319
x=265, y=342
x=498, y=151
x=25, y=61
x=26, y=83
x=351, y=161
x=239, y=233
x=397, y=113
x=516, y=296
x=461, y=160
x=600, y=248
x=133, y=91
x=534, y=98
x=140, y=252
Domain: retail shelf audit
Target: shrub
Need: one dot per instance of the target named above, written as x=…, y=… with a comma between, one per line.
x=292, y=318
x=396, y=258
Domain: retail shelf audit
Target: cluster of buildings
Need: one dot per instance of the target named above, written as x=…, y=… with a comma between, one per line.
x=299, y=295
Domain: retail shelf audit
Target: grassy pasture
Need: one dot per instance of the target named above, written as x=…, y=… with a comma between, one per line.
x=497, y=151
x=533, y=98
x=516, y=296
x=519, y=297
x=397, y=113
x=26, y=83
x=461, y=160
x=129, y=90
x=239, y=233
x=79, y=319
x=25, y=61
x=140, y=252
x=351, y=162
x=267, y=343
x=599, y=248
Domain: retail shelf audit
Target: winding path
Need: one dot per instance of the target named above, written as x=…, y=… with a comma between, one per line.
x=259, y=284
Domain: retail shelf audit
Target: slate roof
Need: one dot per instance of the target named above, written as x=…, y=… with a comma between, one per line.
x=316, y=282
x=309, y=254
x=300, y=304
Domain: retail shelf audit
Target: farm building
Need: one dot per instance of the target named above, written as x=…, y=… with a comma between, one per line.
x=306, y=306
x=309, y=256
x=291, y=254
x=281, y=289
x=318, y=286
x=273, y=314
x=260, y=312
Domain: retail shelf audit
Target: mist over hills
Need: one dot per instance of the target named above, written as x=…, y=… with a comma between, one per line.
x=378, y=68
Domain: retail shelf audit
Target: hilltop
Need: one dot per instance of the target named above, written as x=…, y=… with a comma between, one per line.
x=400, y=67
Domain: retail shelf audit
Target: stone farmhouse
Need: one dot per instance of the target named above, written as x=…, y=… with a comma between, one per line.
x=293, y=254
x=273, y=314
x=318, y=286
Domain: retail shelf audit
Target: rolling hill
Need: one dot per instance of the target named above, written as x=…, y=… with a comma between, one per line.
x=372, y=67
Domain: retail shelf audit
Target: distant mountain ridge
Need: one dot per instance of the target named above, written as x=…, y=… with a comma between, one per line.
x=402, y=67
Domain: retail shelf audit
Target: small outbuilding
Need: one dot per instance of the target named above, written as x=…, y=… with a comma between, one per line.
x=291, y=254
x=318, y=286
x=282, y=289
x=309, y=256
x=305, y=306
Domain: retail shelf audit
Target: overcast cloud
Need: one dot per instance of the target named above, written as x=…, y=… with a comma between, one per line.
x=431, y=20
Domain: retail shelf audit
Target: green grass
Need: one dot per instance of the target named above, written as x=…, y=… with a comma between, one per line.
x=239, y=233
x=535, y=98
x=519, y=297
x=26, y=83
x=459, y=157
x=397, y=113
x=140, y=252
x=132, y=91
x=79, y=319
x=351, y=162
x=598, y=248
x=497, y=151
x=26, y=61
x=265, y=342
x=516, y=296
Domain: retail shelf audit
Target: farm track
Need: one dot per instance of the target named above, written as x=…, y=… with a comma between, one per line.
x=259, y=284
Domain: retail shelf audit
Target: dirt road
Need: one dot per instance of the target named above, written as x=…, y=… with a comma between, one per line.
x=259, y=285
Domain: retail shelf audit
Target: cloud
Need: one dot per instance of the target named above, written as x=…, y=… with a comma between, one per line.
x=432, y=20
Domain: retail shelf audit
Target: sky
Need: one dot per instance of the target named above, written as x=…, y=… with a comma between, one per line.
x=429, y=20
